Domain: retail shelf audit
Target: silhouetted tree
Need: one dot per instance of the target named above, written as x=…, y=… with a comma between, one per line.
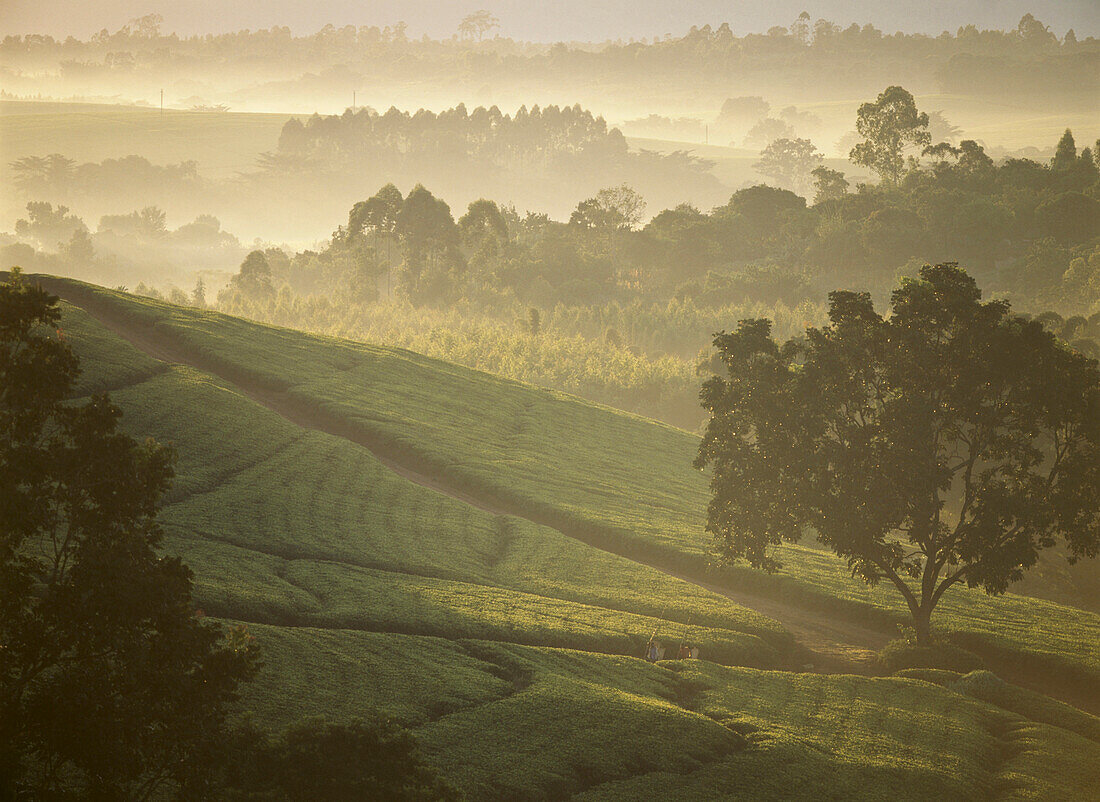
x=377, y=214
x=942, y=130
x=800, y=28
x=763, y=207
x=742, y=110
x=887, y=126
x=50, y=226
x=829, y=184
x=790, y=162
x=478, y=24
x=483, y=218
x=1070, y=217
x=768, y=130
x=948, y=443
x=254, y=278
x=1065, y=153
x=44, y=174
x=1035, y=33
x=612, y=209
x=111, y=686
x=430, y=238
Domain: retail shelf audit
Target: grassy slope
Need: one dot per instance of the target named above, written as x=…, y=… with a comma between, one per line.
x=222, y=143
x=281, y=522
x=885, y=738
x=508, y=721
x=287, y=526
x=616, y=479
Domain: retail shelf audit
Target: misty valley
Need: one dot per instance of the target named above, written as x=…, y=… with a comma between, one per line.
x=391, y=413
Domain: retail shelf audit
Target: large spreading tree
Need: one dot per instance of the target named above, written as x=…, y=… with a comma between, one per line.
x=946, y=443
x=111, y=685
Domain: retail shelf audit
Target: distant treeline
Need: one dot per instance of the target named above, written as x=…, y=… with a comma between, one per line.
x=541, y=157
x=1026, y=228
x=538, y=154
x=532, y=297
x=124, y=181
x=1028, y=59
x=51, y=239
x=618, y=312
x=535, y=136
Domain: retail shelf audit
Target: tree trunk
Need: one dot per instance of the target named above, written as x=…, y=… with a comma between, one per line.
x=922, y=624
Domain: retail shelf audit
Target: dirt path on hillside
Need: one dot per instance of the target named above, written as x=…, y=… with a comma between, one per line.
x=830, y=645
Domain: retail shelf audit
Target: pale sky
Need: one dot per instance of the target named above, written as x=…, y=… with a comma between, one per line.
x=540, y=20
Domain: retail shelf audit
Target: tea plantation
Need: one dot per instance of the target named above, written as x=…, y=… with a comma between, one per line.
x=507, y=633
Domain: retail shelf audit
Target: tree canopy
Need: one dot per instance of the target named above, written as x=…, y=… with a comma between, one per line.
x=947, y=443
x=889, y=125
x=112, y=686
x=790, y=162
x=611, y=209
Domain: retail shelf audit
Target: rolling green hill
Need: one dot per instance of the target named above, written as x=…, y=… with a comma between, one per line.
x=222, y=143
x=489, y=569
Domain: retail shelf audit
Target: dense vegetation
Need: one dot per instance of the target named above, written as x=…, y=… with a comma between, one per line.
x=622, y=312
x=946, y=442
x=602, y=305
x=539, y=158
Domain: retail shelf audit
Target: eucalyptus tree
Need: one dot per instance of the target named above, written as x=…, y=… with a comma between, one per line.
x=888, y=126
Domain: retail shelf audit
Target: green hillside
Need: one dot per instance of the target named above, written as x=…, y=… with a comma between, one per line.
x=346, y=543
x=622, y=482
x=222, y=143
x=506, y=631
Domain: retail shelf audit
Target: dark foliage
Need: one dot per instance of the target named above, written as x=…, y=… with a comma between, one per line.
x=111, y=685
x=319, y=760
x=948, y=443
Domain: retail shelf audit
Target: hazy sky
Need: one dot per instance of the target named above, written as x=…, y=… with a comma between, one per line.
x=543, y=20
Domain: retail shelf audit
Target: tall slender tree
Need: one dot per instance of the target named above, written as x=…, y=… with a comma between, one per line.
x=888, y=126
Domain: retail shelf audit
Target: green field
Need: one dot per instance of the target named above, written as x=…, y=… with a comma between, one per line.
x=222, y=143
x=346, y=543
x=505, y=722
x=618, y=480
x=507, y=641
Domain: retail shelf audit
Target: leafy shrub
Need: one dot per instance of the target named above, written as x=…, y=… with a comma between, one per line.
x=988, y=687
x=937, y=676
x=901, y=654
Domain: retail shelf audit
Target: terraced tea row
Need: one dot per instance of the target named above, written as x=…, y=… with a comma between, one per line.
x=290, y=527
x=609, y=478
x=507, y=721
